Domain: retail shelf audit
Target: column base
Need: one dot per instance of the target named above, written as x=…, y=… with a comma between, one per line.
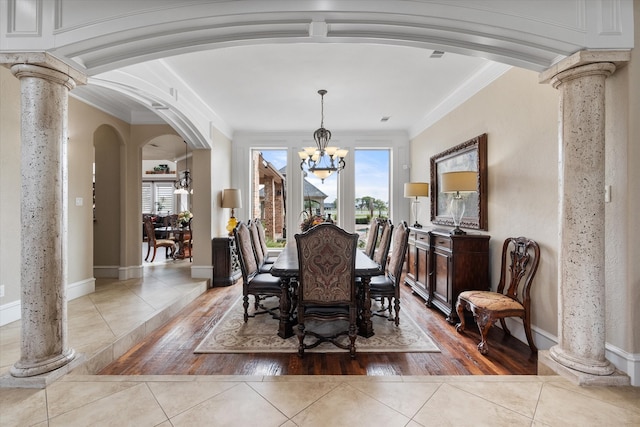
x=21, y=370
x=548, y=366
x=593, y=367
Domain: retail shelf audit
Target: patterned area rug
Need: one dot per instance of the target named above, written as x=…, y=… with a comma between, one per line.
x=259, y=335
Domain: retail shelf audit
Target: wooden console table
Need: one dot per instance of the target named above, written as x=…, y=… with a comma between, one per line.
x=440, y=266
x=226, y=265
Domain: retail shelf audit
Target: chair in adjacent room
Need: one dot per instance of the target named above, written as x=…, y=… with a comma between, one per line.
x=387, y=287
x=169, y=245
x=326, y=286
x=260, y=285
x=520, y=258
x=372, y=238
x=186, y=244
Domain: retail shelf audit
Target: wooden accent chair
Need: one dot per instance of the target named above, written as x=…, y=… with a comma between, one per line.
x=263, y=267
x=154, y=243
x=326, y=284
x=372, y=238
x=187, y=241
x=260, y=285
x=520, y=258
x=263, y=242
x=388, y=286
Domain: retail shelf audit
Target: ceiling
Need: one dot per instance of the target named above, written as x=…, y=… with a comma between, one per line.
x=273, y=88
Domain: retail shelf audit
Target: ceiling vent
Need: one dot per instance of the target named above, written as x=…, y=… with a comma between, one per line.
x=437, y=54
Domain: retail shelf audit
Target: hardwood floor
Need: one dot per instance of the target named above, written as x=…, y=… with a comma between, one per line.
x=169, y=350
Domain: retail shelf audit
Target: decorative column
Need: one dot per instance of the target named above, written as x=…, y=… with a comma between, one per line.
x=581, y=255
x=45, y=84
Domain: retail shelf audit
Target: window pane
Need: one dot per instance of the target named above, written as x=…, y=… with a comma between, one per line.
x=147, y=203
x=269, y=193
x=164, y=197
x=372, y=187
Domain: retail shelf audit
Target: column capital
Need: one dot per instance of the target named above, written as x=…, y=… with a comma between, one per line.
x=585, y=57
x=45, y=60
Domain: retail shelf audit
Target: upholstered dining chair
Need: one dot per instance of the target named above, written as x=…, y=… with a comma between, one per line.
x=263, y=267
x=326, y=285
x=381, y=253
x=387, y=287
x=520, y=258
x=187, y=240
x=372, y=238
x=263, y=242
x=260, y=285
x=168, y=244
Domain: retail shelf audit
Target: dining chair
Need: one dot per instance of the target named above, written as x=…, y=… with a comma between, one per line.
x=260, y=285
x=257, y=247
x=187, y=240
x=388, y=286
x=154, y=243
x=381, y=253
x=520, y=258
x=372, y=238
x=326, y=285
x=263, y=242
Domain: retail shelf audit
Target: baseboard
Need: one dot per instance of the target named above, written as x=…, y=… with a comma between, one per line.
x=106, y=271
x=10, y=312
x=202, y=272
x=132, y=272
x=82, y=288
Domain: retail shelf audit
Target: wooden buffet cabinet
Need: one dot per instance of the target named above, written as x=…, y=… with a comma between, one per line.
x=440, y=266
x=226, y=265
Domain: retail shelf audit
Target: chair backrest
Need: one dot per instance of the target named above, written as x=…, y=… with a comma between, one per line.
x=382, y=251
x=326, y=260
x=520, y=258
x=150, y=231
x=255, y=240
x=172, y=221
x=263, y=237
x=372, y=238
x=246, y=256
x=400, y=243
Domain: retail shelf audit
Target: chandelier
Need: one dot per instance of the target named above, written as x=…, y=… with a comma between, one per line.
x=183, y=184
x=322, y=160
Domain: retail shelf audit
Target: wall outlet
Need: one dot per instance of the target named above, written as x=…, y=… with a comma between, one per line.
x=1, y=291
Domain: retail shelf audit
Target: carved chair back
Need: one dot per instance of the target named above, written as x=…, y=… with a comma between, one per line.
x=372, y=238
x=382, y=252
x=520, y=258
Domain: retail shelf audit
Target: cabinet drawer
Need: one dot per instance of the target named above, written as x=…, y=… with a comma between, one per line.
x=422, y=240
x=442, y=242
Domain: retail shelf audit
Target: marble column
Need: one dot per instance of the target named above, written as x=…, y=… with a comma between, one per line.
x=45, y=84
x=581, y=255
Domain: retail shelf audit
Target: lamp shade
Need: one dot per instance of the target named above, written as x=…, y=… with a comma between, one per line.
x=231, y=198
x=459, y=182
x=416, y=189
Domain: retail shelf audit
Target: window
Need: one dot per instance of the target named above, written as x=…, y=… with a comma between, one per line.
x=269, y=193
x=157, y=198
x=372, y=172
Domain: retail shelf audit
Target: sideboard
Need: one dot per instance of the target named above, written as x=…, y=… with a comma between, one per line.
x=226, y=265
x=441, y=265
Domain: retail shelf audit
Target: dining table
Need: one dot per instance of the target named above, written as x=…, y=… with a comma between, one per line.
x=287, y=269
x=179, y=234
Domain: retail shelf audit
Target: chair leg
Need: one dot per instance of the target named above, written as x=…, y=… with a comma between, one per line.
x=148, y=252
x=396, y=306
x=353, y=333
x=300, y=334
x=245, y=304
x=527, y=330
x=484, y=324
x=460, y=310
x=154, y=254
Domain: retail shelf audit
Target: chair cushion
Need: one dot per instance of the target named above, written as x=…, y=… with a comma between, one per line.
x=380, y=284
x=265, y=268
x=264, y=282
x=165, y=242
x=491, y=300
x=327, y=311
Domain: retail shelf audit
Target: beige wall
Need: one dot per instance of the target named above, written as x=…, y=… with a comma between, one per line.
x=9, y=186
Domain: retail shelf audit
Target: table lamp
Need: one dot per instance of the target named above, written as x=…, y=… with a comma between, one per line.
x=457, y=183
x=415, y=190
x=231, y=199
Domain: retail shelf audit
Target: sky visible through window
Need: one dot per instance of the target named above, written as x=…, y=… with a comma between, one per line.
x=371, y=175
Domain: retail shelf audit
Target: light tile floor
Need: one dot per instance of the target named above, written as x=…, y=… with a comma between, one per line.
x=97, y=321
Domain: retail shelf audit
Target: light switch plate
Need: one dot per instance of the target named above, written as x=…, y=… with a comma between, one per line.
x=79, y=201
x=607, y=193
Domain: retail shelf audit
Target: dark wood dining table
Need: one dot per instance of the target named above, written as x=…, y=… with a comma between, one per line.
x=180, y=234
x=286, y=267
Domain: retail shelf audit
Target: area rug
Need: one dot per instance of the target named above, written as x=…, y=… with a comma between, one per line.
x=259, y=335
